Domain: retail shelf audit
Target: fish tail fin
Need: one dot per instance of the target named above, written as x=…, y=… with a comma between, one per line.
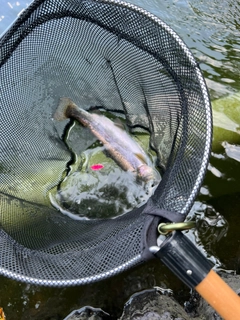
x=62, y=110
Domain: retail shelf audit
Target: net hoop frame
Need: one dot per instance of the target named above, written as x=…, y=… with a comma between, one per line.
x=137, y=259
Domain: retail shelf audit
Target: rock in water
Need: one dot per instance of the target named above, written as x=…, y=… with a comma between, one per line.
x=88, y=313
x=153, y=304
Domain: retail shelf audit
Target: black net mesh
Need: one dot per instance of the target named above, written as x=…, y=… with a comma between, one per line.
x=99, y=53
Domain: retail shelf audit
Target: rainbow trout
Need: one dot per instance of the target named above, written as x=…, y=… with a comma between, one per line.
x=125, y=151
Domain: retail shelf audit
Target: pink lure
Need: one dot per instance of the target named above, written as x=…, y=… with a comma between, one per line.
x=97, y=166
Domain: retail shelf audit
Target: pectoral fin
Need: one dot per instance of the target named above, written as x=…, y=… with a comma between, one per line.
x=141, y=157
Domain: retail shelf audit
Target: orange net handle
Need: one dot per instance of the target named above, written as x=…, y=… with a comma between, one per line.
x=220, y=296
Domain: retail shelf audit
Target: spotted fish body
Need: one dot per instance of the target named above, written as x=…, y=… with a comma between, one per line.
x=126, y=152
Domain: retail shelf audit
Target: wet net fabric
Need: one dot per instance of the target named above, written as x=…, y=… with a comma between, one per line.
x=99, y=53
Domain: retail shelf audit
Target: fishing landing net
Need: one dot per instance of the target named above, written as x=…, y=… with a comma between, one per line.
x=123, y=59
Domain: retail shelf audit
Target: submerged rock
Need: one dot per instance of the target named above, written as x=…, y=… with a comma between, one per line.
x=88, y=313
x=153, y=304
x=159, y=304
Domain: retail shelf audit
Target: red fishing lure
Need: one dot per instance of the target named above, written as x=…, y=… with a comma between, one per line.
x=97, y=166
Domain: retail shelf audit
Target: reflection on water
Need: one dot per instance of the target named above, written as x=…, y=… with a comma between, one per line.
x=212, y=33
x=211, y=30
x=211, y=228
x=232, y=151
x=10, y=10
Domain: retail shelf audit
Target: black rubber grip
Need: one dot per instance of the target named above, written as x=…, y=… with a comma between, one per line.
x=181, y=256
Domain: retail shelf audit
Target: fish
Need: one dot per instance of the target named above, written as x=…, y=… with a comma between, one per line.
x=123, y=149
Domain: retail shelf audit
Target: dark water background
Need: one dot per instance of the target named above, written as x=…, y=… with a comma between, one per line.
x=211, y=29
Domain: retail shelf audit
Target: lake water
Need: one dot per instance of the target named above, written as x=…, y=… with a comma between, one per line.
x=211, y=31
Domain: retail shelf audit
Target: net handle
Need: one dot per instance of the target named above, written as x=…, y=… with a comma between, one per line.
x=220, y=296
x=181, y=256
